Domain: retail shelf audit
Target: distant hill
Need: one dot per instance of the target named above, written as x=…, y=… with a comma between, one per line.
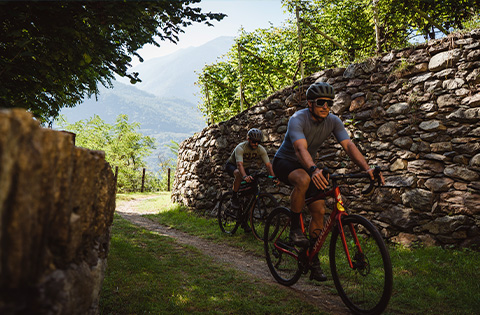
x=174, y=75
x=164, y=104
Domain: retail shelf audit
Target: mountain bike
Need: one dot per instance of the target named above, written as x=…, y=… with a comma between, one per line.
x=359, y=260
x=255, y=206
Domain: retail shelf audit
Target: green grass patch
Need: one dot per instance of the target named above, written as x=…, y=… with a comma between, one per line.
x=151, y=274
x=426, y=280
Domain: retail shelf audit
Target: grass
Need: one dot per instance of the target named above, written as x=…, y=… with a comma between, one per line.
x=148, y=273
x=151, y=274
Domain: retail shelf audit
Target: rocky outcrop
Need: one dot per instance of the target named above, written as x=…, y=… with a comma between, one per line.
x=56, y=209
x=415, y=112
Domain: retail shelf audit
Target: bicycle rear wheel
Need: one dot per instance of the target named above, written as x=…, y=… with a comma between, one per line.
x=264, y=205
x=366, y=288
x=280, y=252
x=226, y=215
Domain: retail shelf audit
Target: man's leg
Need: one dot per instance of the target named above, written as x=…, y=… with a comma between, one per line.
x=300, y=181
x=237, y=181
x=236, y=186
x=317, y=211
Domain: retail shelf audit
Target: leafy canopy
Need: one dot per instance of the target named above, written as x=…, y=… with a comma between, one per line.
x=54, y=53
x=327, y=34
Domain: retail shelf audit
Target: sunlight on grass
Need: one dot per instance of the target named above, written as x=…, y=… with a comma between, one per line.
x=429, y=280
x=160, y=203
x=163, y=277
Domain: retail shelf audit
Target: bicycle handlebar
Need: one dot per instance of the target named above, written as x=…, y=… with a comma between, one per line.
x=256, y=175
x=369, y=189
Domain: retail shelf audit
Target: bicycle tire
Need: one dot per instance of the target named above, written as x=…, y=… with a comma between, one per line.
x=283, y=267
x=264, y=205
x=226, y=215
x=366, y=288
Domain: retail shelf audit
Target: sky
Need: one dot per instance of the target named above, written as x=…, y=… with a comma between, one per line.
x=249, y=14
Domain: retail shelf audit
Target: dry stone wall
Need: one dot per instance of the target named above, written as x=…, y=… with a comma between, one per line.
x=415, y=112
x=56, y=208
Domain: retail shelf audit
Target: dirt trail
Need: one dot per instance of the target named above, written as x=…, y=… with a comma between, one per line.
x=236, y=258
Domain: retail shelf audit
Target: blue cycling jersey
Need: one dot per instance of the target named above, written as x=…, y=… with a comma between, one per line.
x=302, y=126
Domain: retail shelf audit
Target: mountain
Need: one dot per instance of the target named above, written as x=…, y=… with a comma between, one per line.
x=164, y=103
x=174, y=75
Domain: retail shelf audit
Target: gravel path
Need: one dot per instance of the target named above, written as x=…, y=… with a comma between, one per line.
x=236, y=258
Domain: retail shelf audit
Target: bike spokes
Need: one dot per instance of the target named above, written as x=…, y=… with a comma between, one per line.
x=227, y=215
x=280, y=251
x=360, y=265
x=264, y=205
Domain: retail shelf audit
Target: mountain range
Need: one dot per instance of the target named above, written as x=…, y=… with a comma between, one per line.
x=164, y=103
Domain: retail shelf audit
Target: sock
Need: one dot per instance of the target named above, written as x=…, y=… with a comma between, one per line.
x=295, y=221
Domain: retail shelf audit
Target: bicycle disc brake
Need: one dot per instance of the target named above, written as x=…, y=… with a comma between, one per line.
x=361, y=264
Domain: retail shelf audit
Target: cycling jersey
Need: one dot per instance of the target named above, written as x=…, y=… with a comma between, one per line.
x=244, y=153
x=302, y=126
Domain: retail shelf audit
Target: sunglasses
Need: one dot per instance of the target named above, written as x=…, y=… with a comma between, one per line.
x=321, y=103
x=255, y=141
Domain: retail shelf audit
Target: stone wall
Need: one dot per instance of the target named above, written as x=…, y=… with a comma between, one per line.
x=415, y=112
x=56, y=209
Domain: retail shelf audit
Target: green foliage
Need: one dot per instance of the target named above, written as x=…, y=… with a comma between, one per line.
x=166, y=164
x=53, y=53
x=332, y=33
x=124, y=147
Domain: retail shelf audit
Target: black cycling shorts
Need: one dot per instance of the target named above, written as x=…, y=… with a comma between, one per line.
x=230, y=168
x=282, y=168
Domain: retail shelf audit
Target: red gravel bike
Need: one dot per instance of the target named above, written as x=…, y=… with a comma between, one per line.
x=359, y=260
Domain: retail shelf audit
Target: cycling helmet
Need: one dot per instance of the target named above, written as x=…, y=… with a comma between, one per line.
x=255, y=134
x=320, y=89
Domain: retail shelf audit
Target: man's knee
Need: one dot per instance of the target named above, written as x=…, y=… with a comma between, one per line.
x=299, y=179
x=317, y=207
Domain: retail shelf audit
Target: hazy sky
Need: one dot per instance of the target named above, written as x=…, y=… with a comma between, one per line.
x=251, y=14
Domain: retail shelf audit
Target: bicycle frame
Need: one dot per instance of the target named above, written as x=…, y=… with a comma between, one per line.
x=334, y=219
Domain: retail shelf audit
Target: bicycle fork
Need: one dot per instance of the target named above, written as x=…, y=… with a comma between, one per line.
x=359, y=256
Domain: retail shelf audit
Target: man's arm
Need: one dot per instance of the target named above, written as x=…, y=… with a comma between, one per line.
x=241, y=169
x=357, y=157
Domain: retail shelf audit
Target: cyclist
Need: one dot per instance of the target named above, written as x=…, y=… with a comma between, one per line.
x=294, y=165
x=241, y=159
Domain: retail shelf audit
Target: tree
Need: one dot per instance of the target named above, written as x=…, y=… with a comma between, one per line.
x=54, y=53
x=333, y=33
x=123, y=144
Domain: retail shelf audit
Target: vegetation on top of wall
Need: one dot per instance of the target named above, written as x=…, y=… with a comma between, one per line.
x=321, y=34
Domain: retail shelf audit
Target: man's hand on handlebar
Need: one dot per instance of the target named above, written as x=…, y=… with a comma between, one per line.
x=248, y=178
x=275, y=180
x=372, y=172
x=320, y=181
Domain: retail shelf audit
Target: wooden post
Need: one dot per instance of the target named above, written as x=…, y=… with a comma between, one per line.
x=209, y=110
x=300, y=39
x=143, y=180
x=241, y=78
x=377, y=26
x=116, y=177
x=168, y=180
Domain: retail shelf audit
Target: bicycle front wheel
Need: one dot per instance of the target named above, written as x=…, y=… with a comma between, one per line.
x=226, y=215
x=365, y=287
x=264, y=205
x=280, y=252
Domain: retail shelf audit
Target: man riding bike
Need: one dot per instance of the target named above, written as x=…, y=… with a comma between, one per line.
x=294, y=165
x=242, y=158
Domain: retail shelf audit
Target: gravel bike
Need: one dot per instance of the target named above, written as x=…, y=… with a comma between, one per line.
x=359, y=260
x=255, y=206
